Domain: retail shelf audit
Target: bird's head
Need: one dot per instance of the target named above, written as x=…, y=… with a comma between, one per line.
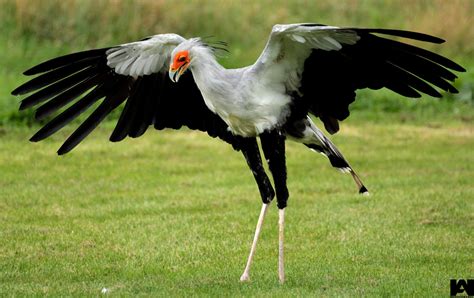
x=179, y=64
x=182, y=57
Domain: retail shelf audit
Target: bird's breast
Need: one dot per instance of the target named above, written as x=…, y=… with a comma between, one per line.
x=247, y=103
x=249, y=116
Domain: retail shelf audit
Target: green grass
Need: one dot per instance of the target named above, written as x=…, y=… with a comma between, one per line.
x=173, y=213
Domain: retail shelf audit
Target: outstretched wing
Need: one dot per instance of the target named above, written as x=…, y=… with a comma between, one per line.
x=325, y=65
x=135, y=73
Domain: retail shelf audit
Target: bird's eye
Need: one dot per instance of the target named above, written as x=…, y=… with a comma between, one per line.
x=181, y=59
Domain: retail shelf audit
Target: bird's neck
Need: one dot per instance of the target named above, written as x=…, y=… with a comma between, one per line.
x=210, y=76
x=206, y=70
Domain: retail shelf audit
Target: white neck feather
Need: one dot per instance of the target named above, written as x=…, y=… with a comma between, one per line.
x=209, y=76
x=204, y=64
x=247, y=104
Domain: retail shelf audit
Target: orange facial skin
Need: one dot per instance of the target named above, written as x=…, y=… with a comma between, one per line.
x=180, y=59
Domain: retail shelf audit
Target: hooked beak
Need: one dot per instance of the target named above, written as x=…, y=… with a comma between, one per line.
x=176, y=73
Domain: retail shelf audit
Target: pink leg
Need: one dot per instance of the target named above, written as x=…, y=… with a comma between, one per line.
x=245, y=276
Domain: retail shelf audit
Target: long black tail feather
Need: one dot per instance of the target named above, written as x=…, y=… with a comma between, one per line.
x=338, y=161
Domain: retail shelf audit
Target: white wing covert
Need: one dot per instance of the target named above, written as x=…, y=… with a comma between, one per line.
x=144, y=57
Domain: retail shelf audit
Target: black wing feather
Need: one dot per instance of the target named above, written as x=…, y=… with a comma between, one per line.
x=70, y=113
x=66, y=97
x=82, y=79
x=373, y=62
x=50, y=77
x=56, y=88
x=128, y=113
x=66, y=60
x=413, y=50
x=144, y=116
x=402, y=33
x=111, y=101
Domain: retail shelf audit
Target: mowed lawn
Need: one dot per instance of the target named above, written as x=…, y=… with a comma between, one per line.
x=173, y=213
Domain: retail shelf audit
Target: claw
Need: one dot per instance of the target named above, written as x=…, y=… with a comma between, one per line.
x=245, y=277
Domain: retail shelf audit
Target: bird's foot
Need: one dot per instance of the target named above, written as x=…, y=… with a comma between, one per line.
x=282, y=278
x=245, y=277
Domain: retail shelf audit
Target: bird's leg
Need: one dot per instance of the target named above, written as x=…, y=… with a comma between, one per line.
x=273, y=145
x=245, y=276
x=281, y=225
x=254, y=160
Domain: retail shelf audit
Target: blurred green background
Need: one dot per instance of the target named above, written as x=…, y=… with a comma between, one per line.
x=32, y=31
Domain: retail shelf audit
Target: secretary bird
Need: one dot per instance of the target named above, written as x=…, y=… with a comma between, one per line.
x=305, y=69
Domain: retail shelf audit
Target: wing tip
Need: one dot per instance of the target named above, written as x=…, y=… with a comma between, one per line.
x=35, y=138
x=460, y=68
x=30, y=71
x=435, y=39
x=19, y=91
x=40, y=135
x=63, y=149
x=23, y=106
x=114, y=138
